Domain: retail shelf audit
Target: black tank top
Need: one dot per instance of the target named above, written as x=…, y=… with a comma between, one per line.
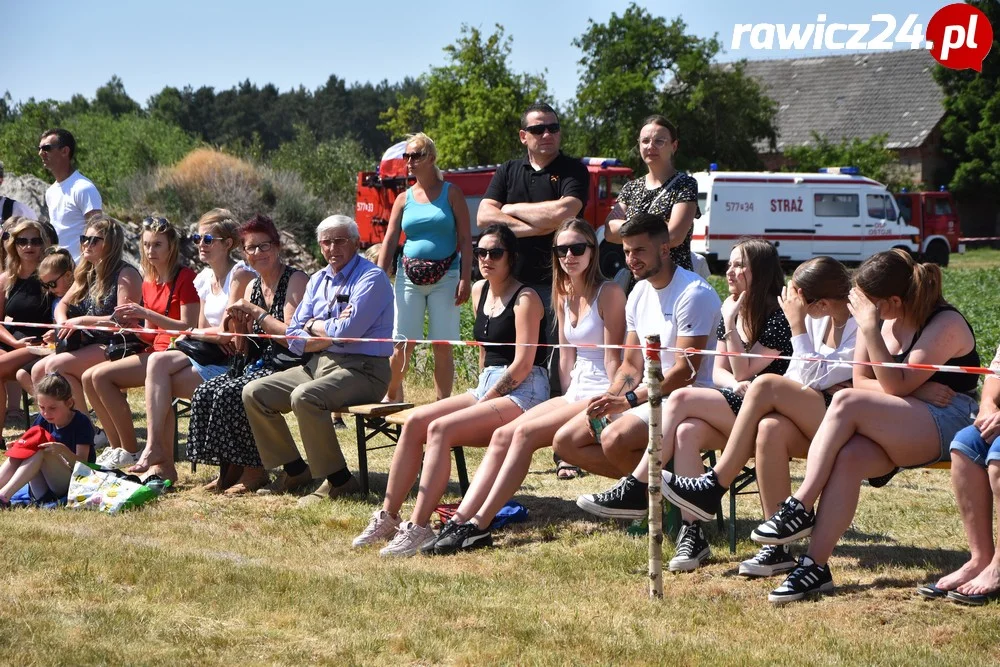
x=500, y=329
x=28, y=301
x=961, y=382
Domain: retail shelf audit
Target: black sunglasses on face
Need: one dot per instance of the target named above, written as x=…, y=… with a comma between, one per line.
x=45, y=148
x=414, y=156
x=539, y=130
x=492, y=253
x=203, y=239
x=51, y=284
x=90, y=240
x=576, y=249
x=23, y=242
x=156, y=224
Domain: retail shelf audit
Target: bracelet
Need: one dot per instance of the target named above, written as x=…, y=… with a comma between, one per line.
x=260, y=319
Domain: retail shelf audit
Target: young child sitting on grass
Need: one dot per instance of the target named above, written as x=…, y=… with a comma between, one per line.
x=44, y=456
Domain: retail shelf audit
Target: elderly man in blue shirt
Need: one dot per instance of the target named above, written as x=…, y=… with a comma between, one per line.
x=349, y=298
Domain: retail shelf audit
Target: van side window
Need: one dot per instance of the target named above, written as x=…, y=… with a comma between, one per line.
x=836, y=205
x=878, y=207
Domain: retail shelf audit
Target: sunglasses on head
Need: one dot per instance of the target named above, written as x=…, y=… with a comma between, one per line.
x=539, y=130
x=575, y=249
x=51, y=284
x=492, y=253
x=45, y=148
x=203, y=239
x=156, y=224
x=414, y=156
x=90, y=240
x=24, y=242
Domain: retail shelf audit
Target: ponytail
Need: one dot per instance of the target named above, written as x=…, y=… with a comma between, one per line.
x=894, y=273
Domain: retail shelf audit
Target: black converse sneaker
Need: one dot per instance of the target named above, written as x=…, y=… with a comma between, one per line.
x=465, y=537
x=791, y=522
x=772, y=559
x=698, y=495
x=627, y=499
x=692, y=548
x=807, y=578
x=427, y=548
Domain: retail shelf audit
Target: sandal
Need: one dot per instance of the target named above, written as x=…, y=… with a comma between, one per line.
x=566, y=471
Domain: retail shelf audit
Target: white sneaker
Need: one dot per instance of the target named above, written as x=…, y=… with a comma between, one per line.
x=104, y=458
x=381, y=528
x=122, y=458
x=409, y=537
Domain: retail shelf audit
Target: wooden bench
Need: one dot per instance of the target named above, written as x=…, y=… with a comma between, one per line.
x=748, y=476
x=387, y=419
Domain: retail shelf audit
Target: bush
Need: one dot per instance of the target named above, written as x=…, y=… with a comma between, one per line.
x=329, y=168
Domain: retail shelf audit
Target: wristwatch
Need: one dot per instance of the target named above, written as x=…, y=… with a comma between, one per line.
x=632, y=399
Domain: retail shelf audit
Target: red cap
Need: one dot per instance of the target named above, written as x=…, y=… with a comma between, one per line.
x=27, y=445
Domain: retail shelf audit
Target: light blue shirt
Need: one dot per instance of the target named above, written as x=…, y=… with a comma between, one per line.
x=364, y=287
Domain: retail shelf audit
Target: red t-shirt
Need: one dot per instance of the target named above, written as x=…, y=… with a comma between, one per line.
x=154, y=297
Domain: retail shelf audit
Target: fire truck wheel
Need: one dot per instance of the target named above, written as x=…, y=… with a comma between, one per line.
x=937, y=253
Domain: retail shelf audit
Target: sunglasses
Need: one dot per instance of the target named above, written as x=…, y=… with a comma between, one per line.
x=90, y=240
x=45, y=148
x=414, y=156
x=203, y=239
x=156, y=224
x=51, y=284
x=254, y=249
x=34, y=241
x=492, y=253
x=539, y=130
x=575, y=249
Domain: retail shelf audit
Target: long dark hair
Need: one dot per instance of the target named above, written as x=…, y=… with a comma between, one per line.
x=766, y=282
x=507, y=240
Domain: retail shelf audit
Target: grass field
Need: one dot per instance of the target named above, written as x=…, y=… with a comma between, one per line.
x=199, y=579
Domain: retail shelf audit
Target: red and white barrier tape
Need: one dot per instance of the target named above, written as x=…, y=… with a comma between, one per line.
x=976, y=239
x=474, y=343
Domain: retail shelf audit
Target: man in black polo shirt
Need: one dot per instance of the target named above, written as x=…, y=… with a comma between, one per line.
x=533, y=196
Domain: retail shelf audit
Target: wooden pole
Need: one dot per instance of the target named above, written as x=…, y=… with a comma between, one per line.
x=654, y=377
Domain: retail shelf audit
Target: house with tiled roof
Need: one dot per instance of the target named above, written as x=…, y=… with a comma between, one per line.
x=858, y=95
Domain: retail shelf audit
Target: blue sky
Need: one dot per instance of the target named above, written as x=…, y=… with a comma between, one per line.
x=57, y=48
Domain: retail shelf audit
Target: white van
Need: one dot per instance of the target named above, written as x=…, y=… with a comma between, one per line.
x=843, y=215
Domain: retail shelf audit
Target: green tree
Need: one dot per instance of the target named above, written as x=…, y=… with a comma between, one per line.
x=112, y=99
x=870, y=156
x=637, y=64
x=329, y=168
x=472, y=105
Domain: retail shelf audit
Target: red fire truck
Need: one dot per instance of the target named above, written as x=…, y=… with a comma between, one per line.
x=377, y=190
x=933, y=213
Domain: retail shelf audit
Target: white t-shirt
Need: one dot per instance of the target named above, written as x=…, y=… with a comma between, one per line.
x=20, y=209
x=68, y=202
x=688, y=306
x=833, y=368
x=214, y=305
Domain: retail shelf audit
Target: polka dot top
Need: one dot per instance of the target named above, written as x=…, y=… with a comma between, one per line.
x=777, y=335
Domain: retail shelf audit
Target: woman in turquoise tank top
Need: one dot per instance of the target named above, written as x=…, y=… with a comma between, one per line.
x=434, y=273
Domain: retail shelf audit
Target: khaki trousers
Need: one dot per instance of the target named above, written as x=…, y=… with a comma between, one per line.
x=327, y=383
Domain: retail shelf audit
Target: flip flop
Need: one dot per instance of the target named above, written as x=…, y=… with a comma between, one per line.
x=932, y=591
x=566, y=471
x=974, y=600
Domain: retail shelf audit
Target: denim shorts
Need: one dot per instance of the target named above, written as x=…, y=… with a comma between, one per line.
x=209, y=372
x=528, y=394
x=970, y=442
x=951, y=419
x=437, y=301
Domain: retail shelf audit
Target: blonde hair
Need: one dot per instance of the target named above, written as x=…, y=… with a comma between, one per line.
x=149, y=271
x=97, y=280
x=561, y=282
x=13, y=262
x=426, y=144
x=221, y=220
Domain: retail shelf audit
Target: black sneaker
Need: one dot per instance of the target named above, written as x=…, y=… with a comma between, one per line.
x=427, y=548
x=698, y=495
x=882, y=480
x=465, y=537
x=627, y=499
x=772, y=559
x=791, y=522
x=692, y=548
x=807, y=578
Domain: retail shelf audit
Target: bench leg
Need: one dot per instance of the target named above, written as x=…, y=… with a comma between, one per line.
x=463, y=475
x=359, y=424
x=25, y=406
x=732, y=519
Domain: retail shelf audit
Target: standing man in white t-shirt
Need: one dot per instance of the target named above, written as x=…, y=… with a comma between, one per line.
x=73, y=197
x=668, y=300
x=11, y=207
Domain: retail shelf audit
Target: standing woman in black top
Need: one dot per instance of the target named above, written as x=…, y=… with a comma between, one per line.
x=892, y=417
x=662, y=191
x=513, y=380
x=22, y=299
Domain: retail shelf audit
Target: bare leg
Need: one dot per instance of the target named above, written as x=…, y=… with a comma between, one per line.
x=471, y=427
x=903, y=427
x=21, y=474
x=104, y=384
x=410, y=449
x=574, y=443
x=72, y=366
x=778, y=440
x=974, y=497
x=859, y=459
x=988, y=579
x=169, y=374
x=55, y=474
x=24, y=379
x=398, y=363
x=444, y=370
x=693, y=437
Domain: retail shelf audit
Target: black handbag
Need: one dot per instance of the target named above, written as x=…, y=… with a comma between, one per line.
x=202, y=352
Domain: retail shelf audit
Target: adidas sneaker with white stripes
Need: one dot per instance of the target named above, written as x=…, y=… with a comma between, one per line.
x=791, y=522
x=808, y=578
